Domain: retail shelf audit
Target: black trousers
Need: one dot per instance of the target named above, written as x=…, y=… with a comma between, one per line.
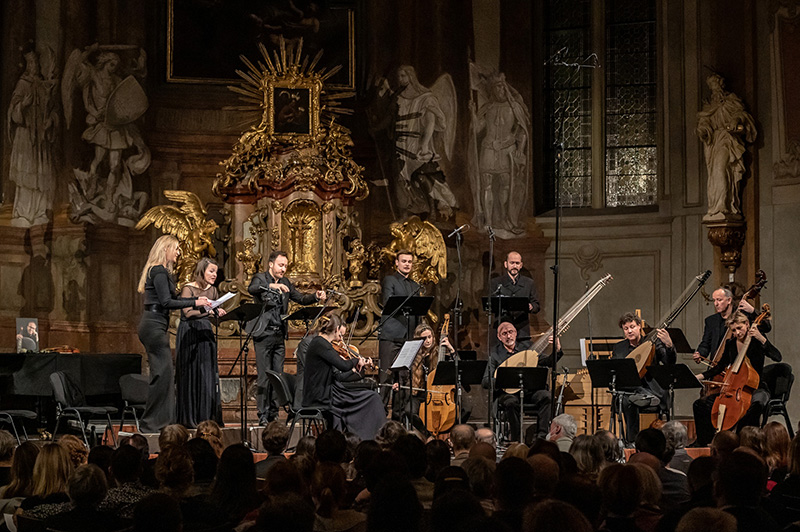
x=539, y=401
x=702, y=415
x=270, y=354
x=387, y=352
x=160, y=409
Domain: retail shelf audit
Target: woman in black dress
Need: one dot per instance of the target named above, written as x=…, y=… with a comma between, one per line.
x=357, y=411
x=158, y=287
x=197, y=383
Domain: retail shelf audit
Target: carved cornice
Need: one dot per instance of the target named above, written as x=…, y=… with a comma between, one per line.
x=729, y=237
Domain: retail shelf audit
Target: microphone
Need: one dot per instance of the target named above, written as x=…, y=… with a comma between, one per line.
x=498, y=289
x=459, y=230
x=490, y=231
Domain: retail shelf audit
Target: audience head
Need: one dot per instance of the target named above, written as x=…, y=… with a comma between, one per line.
x=385, y=464
x=366, y=451
x=701, y=473
x=581, y=492
x=7, y=445
x=52, y=470
x=675, y=433
x=480, y=473
x=236, y=473
x=562, y=426
x=394, y=507
x=389, y=433
x=451, y=478
x=352, y=440
x=545, y=447
x=306, y=446
x=208, y=427
x=707, y=520
x=554, y=515
x=612, y=451
x=516, y=450
x=776, y=445
x=652, y=441
x=100, y=456
x=546, y=474
x=621, y=489
x=282, y=478
x=723, y=444
x=204, y=460
x=126, y=464
x=158, y=512
x=328, y=488
x=486, y=435
x=139, y=442
x=274, y=437
x=87, y=486
x=78, y=453
x=21, y=475
x=646, y=459
x=568, y=465
x=172, y=435
x=331, y=446
x=455, y=511
x=588, y=453
x=174, y=470
x=412, y=451
x=651, y=485
x=216, y=443
x=483, y=450
x=514, y=482
x=741, y=480
x=286, y=513
x=752, y=438
x=437, y=455
x=462, y=437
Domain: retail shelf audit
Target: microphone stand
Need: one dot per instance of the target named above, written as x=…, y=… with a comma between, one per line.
x=457, y=305
x=489, y=326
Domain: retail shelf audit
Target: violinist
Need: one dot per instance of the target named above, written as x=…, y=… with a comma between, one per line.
x=357, y=411
x=759, y=349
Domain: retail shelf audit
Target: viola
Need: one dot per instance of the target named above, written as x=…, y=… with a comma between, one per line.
x=345, y=350
x=439, y=409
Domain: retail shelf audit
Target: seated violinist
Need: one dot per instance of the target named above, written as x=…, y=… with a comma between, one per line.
x=357, y=411
x=758, y=349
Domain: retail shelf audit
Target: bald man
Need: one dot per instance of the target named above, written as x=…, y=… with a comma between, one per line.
x=715, y=328
x=513, y=284
x=539, y=399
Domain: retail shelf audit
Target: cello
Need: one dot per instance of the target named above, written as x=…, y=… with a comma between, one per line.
x=439, y=410
x=736, y=392
x=752, y=292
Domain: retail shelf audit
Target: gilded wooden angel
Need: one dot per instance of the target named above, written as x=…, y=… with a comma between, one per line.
x=425, y=241
x=189, y=224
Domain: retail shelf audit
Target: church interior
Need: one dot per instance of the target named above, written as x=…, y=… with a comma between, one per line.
x=651, y=140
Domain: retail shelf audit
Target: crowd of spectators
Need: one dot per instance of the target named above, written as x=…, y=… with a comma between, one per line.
x=335, y=483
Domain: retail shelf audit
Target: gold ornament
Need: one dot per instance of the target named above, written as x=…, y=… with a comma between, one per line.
x=425, y=241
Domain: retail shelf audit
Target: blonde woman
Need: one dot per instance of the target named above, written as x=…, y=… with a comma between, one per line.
x=158, y=287
x=50, y=478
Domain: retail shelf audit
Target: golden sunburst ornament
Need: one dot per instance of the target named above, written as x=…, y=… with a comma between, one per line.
x=294, y=142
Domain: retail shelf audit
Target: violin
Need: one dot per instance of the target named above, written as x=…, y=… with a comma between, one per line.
x=345, y=350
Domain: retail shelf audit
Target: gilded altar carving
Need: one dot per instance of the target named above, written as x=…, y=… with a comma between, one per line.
x=425, y=241
x=189, y=224
x=301, y=227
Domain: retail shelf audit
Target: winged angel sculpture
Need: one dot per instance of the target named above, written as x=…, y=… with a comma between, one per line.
x=425, y=241
x=414, y=127
x=189, y=224
x=113, y=105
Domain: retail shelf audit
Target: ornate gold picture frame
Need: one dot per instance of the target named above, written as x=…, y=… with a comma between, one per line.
x=292, y=109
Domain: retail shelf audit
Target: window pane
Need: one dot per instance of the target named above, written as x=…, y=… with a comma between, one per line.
x=631, y=156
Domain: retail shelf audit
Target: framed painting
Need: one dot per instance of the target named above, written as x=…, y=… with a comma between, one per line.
x=293, y=109
x=205, y=38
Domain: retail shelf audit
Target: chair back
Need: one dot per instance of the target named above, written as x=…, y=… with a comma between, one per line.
x=779, y=380
x=133, y=387
x=65, y=390
x=280, y=385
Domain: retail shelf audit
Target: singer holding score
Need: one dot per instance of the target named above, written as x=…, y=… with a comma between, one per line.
x=158, y=287
x=197, y=376
x=513, y=284
x=270, y=331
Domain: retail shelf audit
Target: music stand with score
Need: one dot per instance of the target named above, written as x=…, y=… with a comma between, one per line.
x=674, y=377
x=465, y=372
x=524, y=378
x=614, y=373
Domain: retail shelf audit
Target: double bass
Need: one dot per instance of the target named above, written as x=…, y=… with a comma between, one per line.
x=741, y=379
x=439, y=410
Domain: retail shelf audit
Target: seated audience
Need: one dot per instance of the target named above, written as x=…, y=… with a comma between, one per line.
x=78, y=453
x=562, y=431
x=785, y=496
x=127, y=489
x=51, y=474
x=546, y=474
x=455, y=511
x=675, y=486
x=20, y=483
x=677, y=437
x=752, y=438
x=100, y=455
x=7, y=445
x=516, y=450
x=158, y=512
x=331, y=446
x=555, y=515
x=486, y=435
x=437, y=455
x=723, y=444
x=588, y=453
x=622, y=495
x=389, y=433
x=480, y=473
x=234, y=490
x=740, y=483
x=514, y=481
x=287, y=513
x=706, y=520
x=612, y=446
x=329, y=493
x=462, y=438
x=412, y=451
x=172, y=435
x=394, y=506
x=776, y=451
x=204, y=464
x=87, y=488
x=274, y=439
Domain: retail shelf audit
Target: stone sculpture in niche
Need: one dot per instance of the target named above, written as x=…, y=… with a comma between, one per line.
x=113, y=104
x=500, y=138
x=414, y=127
x=32, y=125
x=724, y=126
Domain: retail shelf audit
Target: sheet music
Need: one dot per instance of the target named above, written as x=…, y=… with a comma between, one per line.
x=407, y=354
x=217, y=302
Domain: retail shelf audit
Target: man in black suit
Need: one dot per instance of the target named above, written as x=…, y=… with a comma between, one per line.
x=270, y=331
x=513, y=284
x=715, y=328
x=539, y=399
x=395, y=331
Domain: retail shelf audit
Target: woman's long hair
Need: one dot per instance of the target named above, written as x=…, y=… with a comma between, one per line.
x=329, y=488
x=51, y=471
x=158, y=257
x=21, y=484
x=235, y=489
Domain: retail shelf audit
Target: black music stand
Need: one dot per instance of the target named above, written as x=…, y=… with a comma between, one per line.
x=526, y=379
x=679, y=340
x=407, y=306
x=673, y=377
x=458, y=374
x=405, y=360
x=308, y=315
x=614, y=373
x=243, y=314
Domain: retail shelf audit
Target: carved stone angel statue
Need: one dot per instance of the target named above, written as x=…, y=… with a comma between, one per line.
x=421, y=125
x=31, y=126
x=189, y=224
x=500, y=138
x=112, y=104
x=724, y=126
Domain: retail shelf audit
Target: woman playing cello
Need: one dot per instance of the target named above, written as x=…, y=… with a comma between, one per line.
x=758, y=350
